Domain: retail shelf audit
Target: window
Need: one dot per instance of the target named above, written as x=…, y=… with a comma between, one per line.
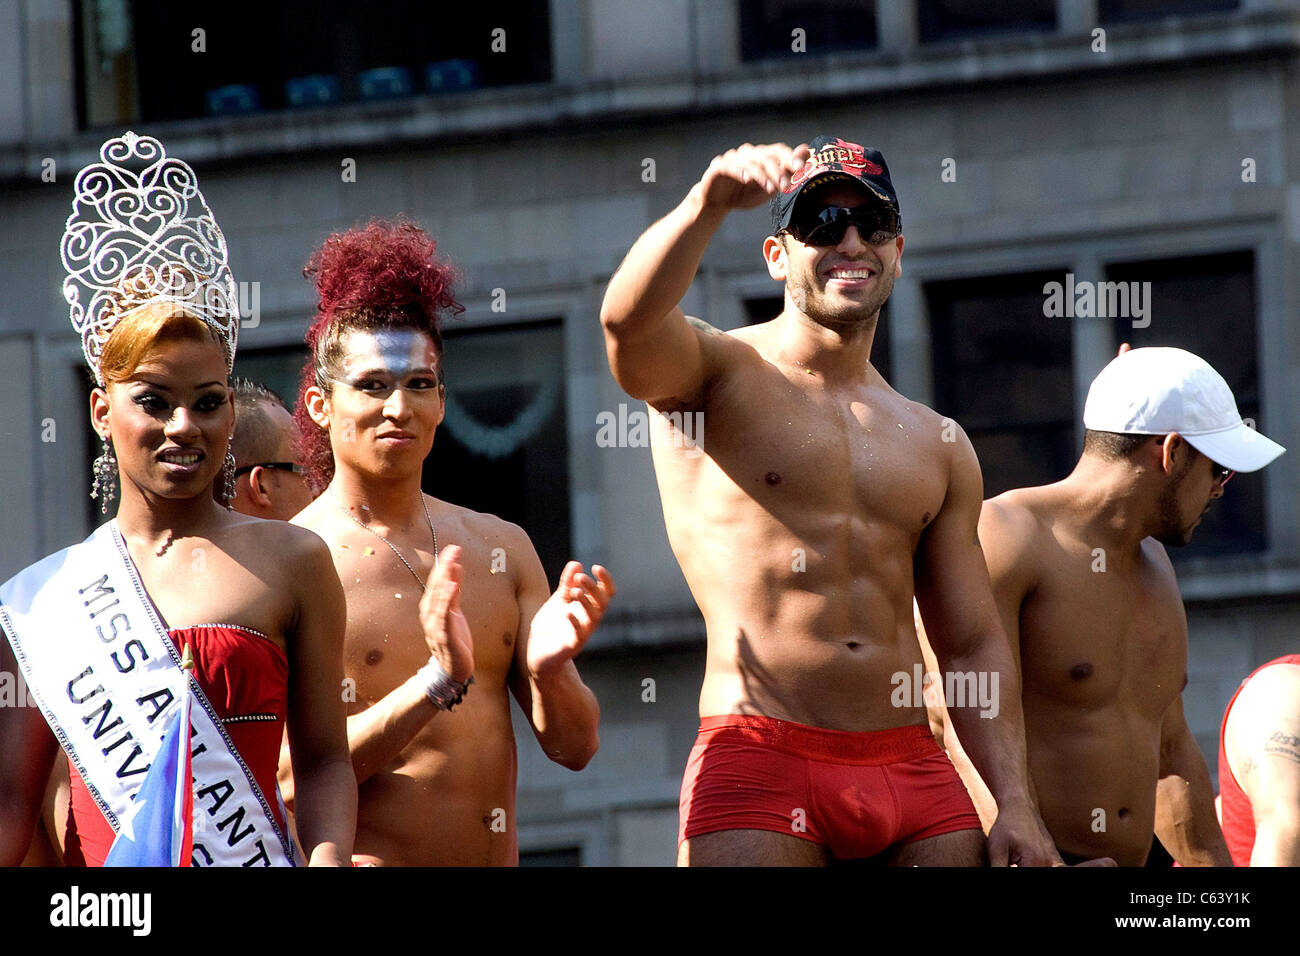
x=1116, y=11
x=503, y=446
x=139, y=58
x=955, y=19
x=279, y=369
x=1005, y=373
x=1206, y=304
x=767, y=27
x=105, y=63
x=767, y=308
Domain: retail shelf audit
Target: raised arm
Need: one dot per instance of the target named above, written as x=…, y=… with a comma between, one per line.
x=1185, y=820
x=326, y=798
x=961, y=619
x=1264, y=733
x=554, y=628
x=654, y=352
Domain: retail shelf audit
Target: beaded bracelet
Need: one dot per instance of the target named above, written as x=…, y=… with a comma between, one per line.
x=443, y=692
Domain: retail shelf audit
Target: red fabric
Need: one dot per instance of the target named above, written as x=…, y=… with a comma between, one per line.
x=1238, y=821
x=855, y=793
x=241, y=673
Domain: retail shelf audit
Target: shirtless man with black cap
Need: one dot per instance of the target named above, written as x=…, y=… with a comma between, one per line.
x=1088, y=596
x=821, y=502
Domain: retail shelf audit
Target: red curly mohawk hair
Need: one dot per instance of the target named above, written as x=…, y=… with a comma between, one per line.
x=386, y=275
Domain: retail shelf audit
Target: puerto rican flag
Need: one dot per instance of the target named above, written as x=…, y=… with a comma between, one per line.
x=160, y=830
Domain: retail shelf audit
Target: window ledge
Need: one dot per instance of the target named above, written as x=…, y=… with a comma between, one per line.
x=586, y=107
x=1207, y=580
x=648, y=628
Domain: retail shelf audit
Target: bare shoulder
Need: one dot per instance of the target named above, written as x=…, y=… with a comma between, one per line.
x=1264, y=719
x=288, y=543
x=1158, y=560
x=748, y=345
x=315, y=517
x=1011, y=528
x=933, y=428
x=724, y=348
x=479, y=529
x=1274, y=690
x=491, y=542
x=703, y=327
x=942, y=442
x=1015, y=512
x=720, y=353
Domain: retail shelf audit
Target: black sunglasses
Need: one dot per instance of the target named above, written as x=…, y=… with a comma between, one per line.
x=826, y=226
x=292, y=466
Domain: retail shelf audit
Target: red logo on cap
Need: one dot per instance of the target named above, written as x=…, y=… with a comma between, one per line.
x=840, y=155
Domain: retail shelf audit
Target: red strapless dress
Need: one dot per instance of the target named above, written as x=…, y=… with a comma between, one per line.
x=245, y=676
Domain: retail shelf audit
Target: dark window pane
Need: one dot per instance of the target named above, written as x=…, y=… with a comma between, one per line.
x=503, y=446
x=1206, y=304
x=1004, y=372
x=279, y=369
x=767, y=26
x=769, y=307
x=262, y=56
x=763, y=309
x=1110, y=11
x=952, y=19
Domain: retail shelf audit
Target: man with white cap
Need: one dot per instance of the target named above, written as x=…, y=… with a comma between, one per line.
x=1088, y=595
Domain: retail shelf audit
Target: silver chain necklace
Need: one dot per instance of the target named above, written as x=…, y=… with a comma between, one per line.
x=392, y=546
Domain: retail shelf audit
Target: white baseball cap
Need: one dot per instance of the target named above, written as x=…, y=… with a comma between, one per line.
x=1155, y=391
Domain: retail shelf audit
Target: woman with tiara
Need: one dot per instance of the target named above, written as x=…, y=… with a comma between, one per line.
x=177, y=602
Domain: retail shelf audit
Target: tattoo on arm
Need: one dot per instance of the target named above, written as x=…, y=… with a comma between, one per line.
x=702, y=326
x=1285, y=745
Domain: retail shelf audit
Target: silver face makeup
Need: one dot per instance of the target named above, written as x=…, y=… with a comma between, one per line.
x=377, y=362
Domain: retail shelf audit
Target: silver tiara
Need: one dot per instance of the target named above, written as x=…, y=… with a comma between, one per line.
x=135, y=237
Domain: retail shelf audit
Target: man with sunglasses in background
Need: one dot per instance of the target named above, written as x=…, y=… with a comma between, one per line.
x=822, y=500
x=1088, y=597
x=268, y=481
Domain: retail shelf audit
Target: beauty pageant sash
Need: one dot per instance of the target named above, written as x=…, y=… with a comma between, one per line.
x=100, y=665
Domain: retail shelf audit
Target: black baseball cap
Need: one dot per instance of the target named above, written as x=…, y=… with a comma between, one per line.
x=833, y=158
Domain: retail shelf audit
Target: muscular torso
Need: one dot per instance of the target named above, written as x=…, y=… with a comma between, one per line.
x=795, y=524
x=448, y=797
x=1103, y=656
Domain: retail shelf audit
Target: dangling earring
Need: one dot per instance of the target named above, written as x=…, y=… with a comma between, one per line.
x=104, y=487
x=228, y=480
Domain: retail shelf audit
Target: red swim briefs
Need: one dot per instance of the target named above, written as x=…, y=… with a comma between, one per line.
x=856, y=793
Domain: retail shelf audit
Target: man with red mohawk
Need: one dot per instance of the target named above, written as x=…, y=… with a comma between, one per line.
x=429, y=612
